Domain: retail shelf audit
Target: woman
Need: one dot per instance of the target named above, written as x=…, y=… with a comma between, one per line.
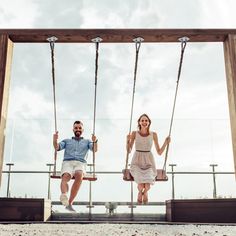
x=143, y=168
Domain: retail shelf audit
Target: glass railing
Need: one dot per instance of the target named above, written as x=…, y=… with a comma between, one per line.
x=195, y=145
x=110, y=190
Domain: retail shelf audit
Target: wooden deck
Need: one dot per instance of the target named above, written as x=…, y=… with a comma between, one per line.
x=107, y=218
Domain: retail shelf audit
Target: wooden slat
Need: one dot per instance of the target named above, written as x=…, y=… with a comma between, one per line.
x=230, y=65
x=6, y=47
x=161, y=175
x=89, y=177
x=117, y=35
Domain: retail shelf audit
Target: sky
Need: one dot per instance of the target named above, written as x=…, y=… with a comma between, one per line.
x=201, y=129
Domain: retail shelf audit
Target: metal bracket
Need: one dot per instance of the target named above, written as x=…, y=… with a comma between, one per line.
x=96, y=40
x=52, y=39
x=138, y=40
x=184, y=39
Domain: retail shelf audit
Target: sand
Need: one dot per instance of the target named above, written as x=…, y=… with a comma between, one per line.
x=115, y=229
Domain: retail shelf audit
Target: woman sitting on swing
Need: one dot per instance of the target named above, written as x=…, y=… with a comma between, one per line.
x=143, y=168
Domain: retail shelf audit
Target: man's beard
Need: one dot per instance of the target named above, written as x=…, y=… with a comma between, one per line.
x=77, y=133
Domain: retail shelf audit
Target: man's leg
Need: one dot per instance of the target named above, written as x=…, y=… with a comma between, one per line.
x=64, y=188
x=76, y=185
x=64, y=182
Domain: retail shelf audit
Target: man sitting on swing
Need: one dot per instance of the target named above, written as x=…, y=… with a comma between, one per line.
x=74, y=161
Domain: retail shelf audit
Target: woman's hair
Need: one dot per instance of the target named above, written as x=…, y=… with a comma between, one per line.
x=139, y=119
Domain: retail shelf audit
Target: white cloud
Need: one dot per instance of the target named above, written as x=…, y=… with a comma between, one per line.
x=218, y=14
x=17, y=14
x=27, y=104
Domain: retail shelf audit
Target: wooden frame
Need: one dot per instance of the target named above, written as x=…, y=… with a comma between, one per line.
x=6, y=48
x=10, y=36
x=116, y=35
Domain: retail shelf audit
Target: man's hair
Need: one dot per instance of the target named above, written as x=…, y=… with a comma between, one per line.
x=78, y=122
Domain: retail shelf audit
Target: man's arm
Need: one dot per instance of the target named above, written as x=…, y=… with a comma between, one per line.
x=55, y=143
x=95, y=143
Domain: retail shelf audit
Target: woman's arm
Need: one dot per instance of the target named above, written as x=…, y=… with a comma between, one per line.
x=130, y=141
x=159, y=149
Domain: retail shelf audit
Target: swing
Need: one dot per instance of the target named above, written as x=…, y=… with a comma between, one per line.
x=57, y=175
x=161, y=173
x=86, y=176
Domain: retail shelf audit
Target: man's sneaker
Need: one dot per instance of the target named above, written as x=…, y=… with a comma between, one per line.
x=64, y=199
x=70, y=208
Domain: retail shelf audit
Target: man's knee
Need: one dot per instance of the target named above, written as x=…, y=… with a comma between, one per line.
x=66, y=177
x=78, y=175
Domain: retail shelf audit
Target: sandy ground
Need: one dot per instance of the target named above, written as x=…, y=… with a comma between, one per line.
x=115, y=229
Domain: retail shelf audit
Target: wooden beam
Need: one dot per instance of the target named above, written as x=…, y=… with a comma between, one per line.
x=116, y=35
x=230, y=65
x=6, y=47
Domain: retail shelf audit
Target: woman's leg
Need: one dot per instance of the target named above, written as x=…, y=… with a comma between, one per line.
x=140, y=193
x=147, y=186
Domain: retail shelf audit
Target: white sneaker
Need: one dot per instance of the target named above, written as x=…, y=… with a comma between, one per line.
x=64, y=199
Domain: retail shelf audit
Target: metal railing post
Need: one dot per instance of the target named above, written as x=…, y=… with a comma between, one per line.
x=9, y=178
x=132, y=199
x=90, y=206
x=173, y=179
x=214, y=180
x=49, y=179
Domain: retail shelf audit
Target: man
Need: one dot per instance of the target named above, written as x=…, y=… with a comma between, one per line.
x=74, y=161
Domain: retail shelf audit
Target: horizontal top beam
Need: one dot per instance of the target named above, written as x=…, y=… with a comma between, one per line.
x=116, y=35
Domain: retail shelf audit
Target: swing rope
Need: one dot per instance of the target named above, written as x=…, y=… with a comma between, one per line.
x=183, y=41
x=52, y=41
x=138, y=42
x=96, y=41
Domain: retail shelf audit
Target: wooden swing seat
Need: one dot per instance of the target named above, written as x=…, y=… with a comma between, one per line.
x=161, y=175
x=89, y=177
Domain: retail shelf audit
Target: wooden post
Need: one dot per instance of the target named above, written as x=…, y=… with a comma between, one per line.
x=6, y=48
x=230, y=65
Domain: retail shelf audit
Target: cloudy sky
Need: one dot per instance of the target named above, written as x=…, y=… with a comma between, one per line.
x=201, y=130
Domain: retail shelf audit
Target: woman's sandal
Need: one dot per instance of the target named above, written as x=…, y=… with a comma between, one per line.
x=145, y=198
x=140, y=198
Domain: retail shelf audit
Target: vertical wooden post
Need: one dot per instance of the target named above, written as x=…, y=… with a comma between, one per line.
x=6, y=48
x=230, y=65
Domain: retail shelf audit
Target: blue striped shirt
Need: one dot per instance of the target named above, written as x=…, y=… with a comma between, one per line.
x=76, y=149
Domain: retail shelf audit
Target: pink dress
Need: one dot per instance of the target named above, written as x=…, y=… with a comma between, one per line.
x=143, y=167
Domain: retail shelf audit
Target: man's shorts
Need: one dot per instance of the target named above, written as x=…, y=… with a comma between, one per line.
x=71, y=167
